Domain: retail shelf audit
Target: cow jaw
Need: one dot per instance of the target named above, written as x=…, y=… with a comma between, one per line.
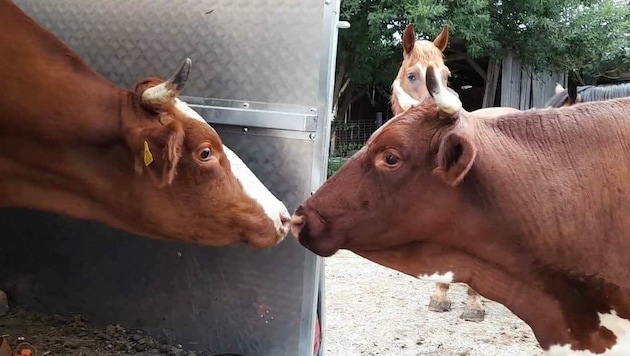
x=274, y=209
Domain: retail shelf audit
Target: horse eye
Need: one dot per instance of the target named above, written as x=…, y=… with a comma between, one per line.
x=411, y=77
x=204, y=155
x=391, y=160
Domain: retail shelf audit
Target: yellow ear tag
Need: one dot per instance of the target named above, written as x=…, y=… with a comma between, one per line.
x=148, y=157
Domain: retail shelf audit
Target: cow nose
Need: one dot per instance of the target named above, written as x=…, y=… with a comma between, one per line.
x=297, y=223
x=285, y=220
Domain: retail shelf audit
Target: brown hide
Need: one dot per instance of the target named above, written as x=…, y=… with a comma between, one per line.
x=73, y=143
x=531, y=209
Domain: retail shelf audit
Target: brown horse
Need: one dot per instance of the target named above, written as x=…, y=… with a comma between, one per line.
x=409, y=85
x=407, y=90
x=586, y=93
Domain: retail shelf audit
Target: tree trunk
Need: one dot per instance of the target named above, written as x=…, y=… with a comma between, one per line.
x=341, y=84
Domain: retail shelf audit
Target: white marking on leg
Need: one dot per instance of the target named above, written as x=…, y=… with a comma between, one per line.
x=438, y=278
x=252, y=186
x=619, y=326
x=404, y=100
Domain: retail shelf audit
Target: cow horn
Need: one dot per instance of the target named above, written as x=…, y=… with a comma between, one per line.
x=164, y=93
x=447, y=102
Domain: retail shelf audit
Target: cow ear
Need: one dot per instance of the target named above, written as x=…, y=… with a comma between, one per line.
x=157, y=150
x=455, y=157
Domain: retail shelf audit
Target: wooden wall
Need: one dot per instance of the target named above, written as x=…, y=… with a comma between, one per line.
x=519, y=87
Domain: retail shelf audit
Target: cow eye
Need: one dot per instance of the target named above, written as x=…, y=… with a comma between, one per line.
x=205, y=154
x=391, y=160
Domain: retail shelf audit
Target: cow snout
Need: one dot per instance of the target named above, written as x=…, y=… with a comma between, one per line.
x=297, y=223
x=285, y=224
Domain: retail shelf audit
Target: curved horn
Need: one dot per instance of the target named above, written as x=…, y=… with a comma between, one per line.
x=447, y=102
x=162, y=94
x=572, y=91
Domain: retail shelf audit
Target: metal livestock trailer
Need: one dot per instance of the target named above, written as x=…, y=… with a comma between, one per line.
x=262, y=75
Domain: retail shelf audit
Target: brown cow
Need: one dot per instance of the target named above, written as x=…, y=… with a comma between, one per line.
x=531, y=209
x=73, y=143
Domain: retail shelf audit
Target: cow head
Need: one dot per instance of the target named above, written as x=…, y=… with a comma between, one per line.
x=190, y=186
x=400, y=187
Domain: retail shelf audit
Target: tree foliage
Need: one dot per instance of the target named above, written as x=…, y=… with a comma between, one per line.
x=587, y=36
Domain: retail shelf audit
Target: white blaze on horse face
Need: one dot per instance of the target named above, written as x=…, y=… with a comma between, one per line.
x=438, y=278
x=252, y=186
x=611, y=321
x=404, y=100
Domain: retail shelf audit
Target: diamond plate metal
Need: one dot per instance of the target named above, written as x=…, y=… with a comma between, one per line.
x=235, y=299
x=256, y=50
x=232, y=299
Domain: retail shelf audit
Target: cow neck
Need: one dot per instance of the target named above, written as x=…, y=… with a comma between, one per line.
x=87, y=177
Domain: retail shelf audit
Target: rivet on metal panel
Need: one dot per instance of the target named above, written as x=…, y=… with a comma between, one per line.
x=313, y=110
x=312, y=136
x=245, y=129
x=245, y=105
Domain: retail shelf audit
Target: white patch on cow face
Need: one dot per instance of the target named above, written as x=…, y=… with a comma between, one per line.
x=404, y=100
x=252, y=186
x=438, y=278
x=619, y=326
x=188, y=111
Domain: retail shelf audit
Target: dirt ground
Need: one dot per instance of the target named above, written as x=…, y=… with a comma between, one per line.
x=55, y=335
x=373, y=310
x=370, y=310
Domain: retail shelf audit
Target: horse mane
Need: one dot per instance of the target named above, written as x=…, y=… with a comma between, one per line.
x=592, y=93
x=605, y=92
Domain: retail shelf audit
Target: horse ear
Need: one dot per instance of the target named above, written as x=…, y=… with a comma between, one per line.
x=409, y=39
x=442, y=39
x=455, y=157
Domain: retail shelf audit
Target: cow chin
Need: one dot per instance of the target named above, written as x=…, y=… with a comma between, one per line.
x=262, y=233
x=258, y=240
x=324, y=246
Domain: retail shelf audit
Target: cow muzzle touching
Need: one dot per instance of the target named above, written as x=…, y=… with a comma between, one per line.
x=312, y=231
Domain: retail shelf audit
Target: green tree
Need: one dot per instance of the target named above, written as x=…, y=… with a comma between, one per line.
x=591, y=37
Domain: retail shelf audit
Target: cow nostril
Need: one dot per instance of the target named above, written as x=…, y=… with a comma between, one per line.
x=297, y=223
x=285, y=220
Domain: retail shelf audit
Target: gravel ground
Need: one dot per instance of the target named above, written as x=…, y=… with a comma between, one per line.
x=373, y=310
x=56, y=335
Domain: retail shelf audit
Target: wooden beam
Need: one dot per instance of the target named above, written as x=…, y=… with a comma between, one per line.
x=476, y=67
x=457, y=56
x=491, y=84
